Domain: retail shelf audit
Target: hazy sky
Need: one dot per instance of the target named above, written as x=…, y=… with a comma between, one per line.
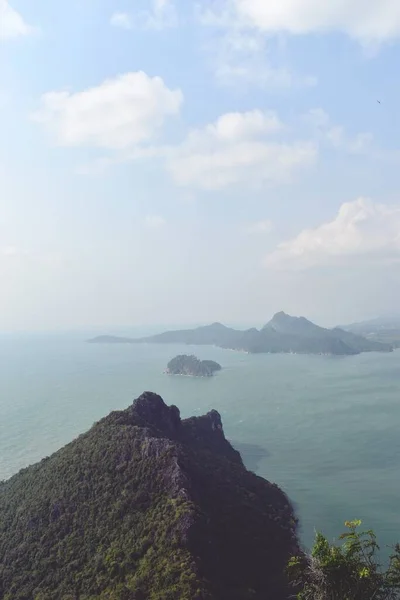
x=181, y=162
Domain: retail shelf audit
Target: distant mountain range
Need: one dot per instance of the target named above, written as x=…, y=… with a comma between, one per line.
x=383, y=329
x=283, y=334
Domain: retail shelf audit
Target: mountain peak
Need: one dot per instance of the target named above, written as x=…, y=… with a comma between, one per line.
x=217, y=325
x=283, y=318
x=151, y=412
x=281, y=315
x=152, y=409
x=145, y=505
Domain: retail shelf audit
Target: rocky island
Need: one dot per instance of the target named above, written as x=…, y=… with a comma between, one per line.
x=282, y=334
x=191, y=365
x=145, y=506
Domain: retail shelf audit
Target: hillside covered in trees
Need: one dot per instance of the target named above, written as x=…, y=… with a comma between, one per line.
x=145, y=506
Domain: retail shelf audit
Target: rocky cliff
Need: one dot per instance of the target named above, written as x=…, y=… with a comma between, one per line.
x=145, y=506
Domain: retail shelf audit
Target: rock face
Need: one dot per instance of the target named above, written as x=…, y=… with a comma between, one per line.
x=145, y=506
x=190, y=365
x=282, y=334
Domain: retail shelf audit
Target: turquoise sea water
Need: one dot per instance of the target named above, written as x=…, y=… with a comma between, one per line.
x=325, y=429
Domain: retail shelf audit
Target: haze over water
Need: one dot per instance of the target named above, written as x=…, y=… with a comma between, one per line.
x=326, y=429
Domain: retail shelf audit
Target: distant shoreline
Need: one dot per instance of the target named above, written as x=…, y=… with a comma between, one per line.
x=284, y=334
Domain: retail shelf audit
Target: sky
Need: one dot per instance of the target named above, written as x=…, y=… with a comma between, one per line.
x=174, y=162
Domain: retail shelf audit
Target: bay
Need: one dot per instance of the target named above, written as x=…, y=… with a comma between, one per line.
x=326, y=429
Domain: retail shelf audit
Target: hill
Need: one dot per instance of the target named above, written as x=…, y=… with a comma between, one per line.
x=283, y=334
x=191, y=365
x=144, y=506
x=384, y=330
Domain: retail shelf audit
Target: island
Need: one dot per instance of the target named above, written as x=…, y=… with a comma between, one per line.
x=185, y=364
x=282, y=334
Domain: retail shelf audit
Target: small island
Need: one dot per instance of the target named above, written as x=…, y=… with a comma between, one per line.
x=191, y=365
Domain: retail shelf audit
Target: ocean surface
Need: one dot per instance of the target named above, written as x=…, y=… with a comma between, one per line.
x=326, y=429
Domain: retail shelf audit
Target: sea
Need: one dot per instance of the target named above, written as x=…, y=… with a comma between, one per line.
x=325, y=429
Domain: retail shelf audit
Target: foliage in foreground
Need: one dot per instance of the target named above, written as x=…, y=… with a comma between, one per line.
x=349, y=571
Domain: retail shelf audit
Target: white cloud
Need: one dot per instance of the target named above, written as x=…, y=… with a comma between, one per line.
x=117, y=114
x=237, y=149
x=245, y=56
x=237, y=126
x=260, y=227
x=154, y=221
x=250, y=148
x=364, y=20
x=331, y=135
x=122, y=20
x=358, y=144
x=162, y=14
x=318, y=118
x=336, y=135
x=12, y=25
x=361, y=229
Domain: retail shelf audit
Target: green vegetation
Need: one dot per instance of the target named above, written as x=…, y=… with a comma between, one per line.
x=349, y=571
x=144, y=506
x=191, y=365
x=94, y=521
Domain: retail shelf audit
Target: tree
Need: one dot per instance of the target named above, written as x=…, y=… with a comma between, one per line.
x=348, y=571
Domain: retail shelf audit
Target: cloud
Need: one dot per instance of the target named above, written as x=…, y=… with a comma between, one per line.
x=237, y=149
x=250, y=148
x=241, y=126
x=12, y=25
x=260, y=227
x=154, y=221
x=122, y=20
x=244, y=56
x=364, y=20
x=336, y=136
x=118, y=114
x=362, y=230
x=161, y=15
